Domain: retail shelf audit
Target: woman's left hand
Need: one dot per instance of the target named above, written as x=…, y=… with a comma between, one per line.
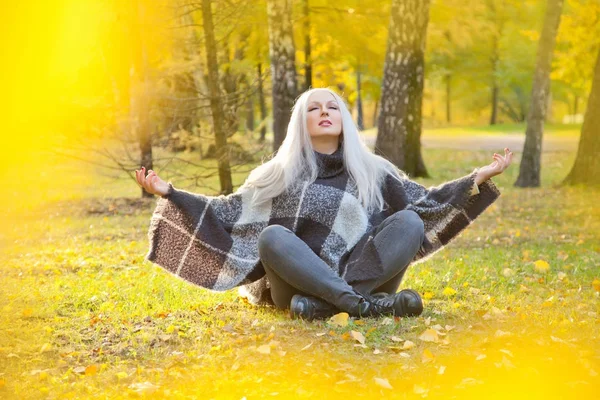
x=497, y=167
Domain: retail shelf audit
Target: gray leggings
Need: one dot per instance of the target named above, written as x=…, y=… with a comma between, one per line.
x=293, y=268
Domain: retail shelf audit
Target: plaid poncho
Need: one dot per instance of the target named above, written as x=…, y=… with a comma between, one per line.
x=212, y=241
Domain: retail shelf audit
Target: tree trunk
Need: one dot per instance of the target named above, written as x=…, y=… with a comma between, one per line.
x=586, y=169
x=529, y=171
x=192, y=49
x=359, y=107
x=139, y=100
x=495, y=89
x=399, y=124
x=283, y=66
x=250, y=113
x=375, y=112
x=448, y=98
x=262, y=103
x=216, y=106
x=307, y=49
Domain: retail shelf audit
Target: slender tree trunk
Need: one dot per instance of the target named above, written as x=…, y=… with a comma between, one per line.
x=307, y=49
x=399, y=124
x=375, y=112
x=139, y=100
x=495, y=89
x=283, y=66
x=192, y=49
x=586, y=169
x=216, y=106
x=250, y=113
x=359, y=106
x=529, y=171
x=448, y=98
x=262, y=103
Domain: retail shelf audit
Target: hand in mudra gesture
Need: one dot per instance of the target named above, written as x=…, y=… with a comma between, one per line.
x=151, y=183
x=497, y=166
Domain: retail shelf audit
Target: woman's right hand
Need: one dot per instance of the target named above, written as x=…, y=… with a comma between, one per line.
x=151, y=183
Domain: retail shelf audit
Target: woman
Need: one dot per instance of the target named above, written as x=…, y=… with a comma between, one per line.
x=324, y=226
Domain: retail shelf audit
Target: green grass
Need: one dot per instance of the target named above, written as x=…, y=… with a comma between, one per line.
x=84, y=316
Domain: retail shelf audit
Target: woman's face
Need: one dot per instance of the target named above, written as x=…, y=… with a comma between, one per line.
x=324, y=117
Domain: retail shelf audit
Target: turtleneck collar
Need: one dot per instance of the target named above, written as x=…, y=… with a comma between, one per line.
x=330, y=164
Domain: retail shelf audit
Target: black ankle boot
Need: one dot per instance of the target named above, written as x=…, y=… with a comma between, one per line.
x=406, y=303
x=310, y=308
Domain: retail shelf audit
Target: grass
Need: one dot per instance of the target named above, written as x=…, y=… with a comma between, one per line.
x=84, y=316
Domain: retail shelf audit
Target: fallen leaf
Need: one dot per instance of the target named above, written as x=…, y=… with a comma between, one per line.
x=143, y=387
x=562, y=276
x=359, y=337
x=91, y=369
x=427, y=356
x=541, y=266
x=507, y=272
x=359, y=322
x=265, y=349
x=448, y=291
x=500, y=333
x=449, y=327
x=28, y=312
x=122, y=375
x=441, y=370
x=480, y=357
x=404, y=354
x=321, y=333
x=420, y=390
x=508, y=352
x=384, y=383
x=429, y=335
x=408, y=345
x=596, y=284
x=386, y=321
x=376, y=351
x=396, y=339
x=340, y=319
x=306, y=347
x=79, y=370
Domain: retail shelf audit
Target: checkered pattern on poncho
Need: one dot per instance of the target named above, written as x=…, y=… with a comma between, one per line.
x=212, y=241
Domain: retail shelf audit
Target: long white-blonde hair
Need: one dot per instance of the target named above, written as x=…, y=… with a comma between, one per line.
x=295, y=160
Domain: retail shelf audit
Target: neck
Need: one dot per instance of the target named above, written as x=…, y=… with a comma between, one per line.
x=325, y=144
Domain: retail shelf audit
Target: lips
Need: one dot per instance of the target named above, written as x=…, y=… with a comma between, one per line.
x=325, y=123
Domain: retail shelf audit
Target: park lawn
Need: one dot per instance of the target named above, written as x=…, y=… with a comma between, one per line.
x=511, y=306
x=551, y=130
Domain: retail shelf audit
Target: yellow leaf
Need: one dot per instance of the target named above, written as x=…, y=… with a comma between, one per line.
x=91, y=369
x=121, y=375
x=408, y=345
x=340, y=319
x=384, y=383
x=428, y=295
x=45, y=347
x=359, y=337
x=2, y=383
x=170, y=329
x=449, y=292
x=359, y=322
x=427, y=356
x=264, y=349
x=27, y=312
x=541, y=266
x=596, y=285
x=430, y=335
x=507, y=272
